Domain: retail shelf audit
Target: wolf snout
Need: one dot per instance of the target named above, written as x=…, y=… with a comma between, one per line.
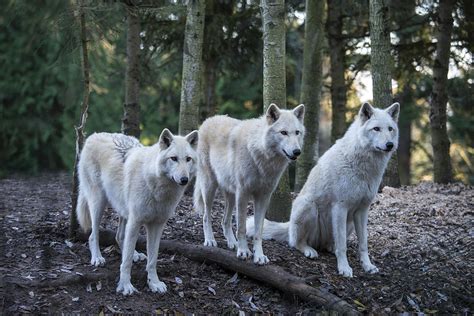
x=389, y=146
x=183, y=180
x=296, y=152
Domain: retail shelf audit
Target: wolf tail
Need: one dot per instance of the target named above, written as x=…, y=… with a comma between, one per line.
x=271, y=230
x=197, y=197
x=82, y=212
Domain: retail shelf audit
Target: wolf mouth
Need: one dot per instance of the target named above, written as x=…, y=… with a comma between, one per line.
x=385, y=150
x=289, y=157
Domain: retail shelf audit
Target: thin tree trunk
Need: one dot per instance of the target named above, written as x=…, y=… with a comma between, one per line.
x=400, y=10
x=311, y=88
x=404, y=143
x=73, y=223
x=439, y=98
x=192, y=67
x=274, y=89
x=338, y=83
x=131, y=107
x=381, y=63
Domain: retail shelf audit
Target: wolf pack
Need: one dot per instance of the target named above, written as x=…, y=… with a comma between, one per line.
x=244, y=161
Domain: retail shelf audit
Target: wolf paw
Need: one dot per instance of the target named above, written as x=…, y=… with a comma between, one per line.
x=232, y=245
x=345, y=271
x=138, y=256
x=370, y=268
x=261, y=260
x=126, y=288
x=157, y=286
x=98, y=261
x=244, y=253
x=210, y=243
x=310, y=252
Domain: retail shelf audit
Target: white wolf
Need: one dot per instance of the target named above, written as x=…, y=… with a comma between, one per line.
x=143, y=184
x=245, y=160
x=337, y=195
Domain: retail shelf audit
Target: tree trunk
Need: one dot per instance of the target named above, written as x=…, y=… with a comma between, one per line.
x=311, y=88
x=338, y=83
x=381, y=63
x=404, y=146
x=131, y=107
x=399, y=11
x=439, y=135
x=192, y=67
x=274, y=90
x=271, y=275
x=73, y=223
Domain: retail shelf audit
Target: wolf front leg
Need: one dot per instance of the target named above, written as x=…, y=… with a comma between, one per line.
x=339, y=230
x=131, y=235
x=241, y=200
x=360, y=223
x=153, y=237
x=261, y=206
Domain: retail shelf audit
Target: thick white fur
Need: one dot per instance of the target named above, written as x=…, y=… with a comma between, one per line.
x=245, y=160
x=337, y=194
x=143, y=184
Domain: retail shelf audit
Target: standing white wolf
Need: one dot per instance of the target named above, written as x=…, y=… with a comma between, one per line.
x=144, y=186
x=337, y=195
x=245, y=160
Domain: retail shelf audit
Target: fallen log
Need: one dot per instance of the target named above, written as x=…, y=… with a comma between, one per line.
x=271, y=275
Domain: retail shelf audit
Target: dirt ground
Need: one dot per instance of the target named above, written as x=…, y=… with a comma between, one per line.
x=420, y=237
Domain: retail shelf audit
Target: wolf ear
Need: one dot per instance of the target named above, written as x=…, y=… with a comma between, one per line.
x=192, y=138
x=166, y=138
x=299, y=112
x=273, y=113
x=394, y=111
x=366, y=111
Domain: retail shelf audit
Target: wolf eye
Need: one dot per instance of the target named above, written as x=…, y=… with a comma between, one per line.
x=174, y=158
x=377, y=129
x=297, y=132
x=188, y=159
x=284, y=133
x=390, y=128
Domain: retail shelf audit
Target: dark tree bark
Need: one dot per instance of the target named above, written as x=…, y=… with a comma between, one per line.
x=439, y=98
x=191, y=84
x=73, y=223
x=311, y=88
x=381, y=63
x=131, y=107
x=274, y=90
x=404, y=144
x=338, y=83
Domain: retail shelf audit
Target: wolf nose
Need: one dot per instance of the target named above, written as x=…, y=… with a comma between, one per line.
x=389, y=145
x=296, y=152
x=183, y=180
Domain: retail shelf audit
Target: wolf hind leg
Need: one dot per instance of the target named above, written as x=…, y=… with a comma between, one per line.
x=227, y=221
x=119, y=237
x=97, y=201
x=208, y=190
x=303, y=222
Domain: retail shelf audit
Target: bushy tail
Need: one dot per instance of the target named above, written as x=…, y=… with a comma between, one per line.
x=82, y=212
x=271, y=230
x=197, y=197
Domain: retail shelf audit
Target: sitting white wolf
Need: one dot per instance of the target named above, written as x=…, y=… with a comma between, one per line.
x=339, y=190
x=245, y=160
x=144, y=186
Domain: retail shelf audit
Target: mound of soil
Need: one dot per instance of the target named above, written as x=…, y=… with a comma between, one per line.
x=420, y=237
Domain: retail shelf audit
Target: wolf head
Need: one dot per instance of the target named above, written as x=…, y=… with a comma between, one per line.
x=285, y=130
x=178, y=158
x=379, y=130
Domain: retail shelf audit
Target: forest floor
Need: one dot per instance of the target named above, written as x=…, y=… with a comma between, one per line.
x=420, y=237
